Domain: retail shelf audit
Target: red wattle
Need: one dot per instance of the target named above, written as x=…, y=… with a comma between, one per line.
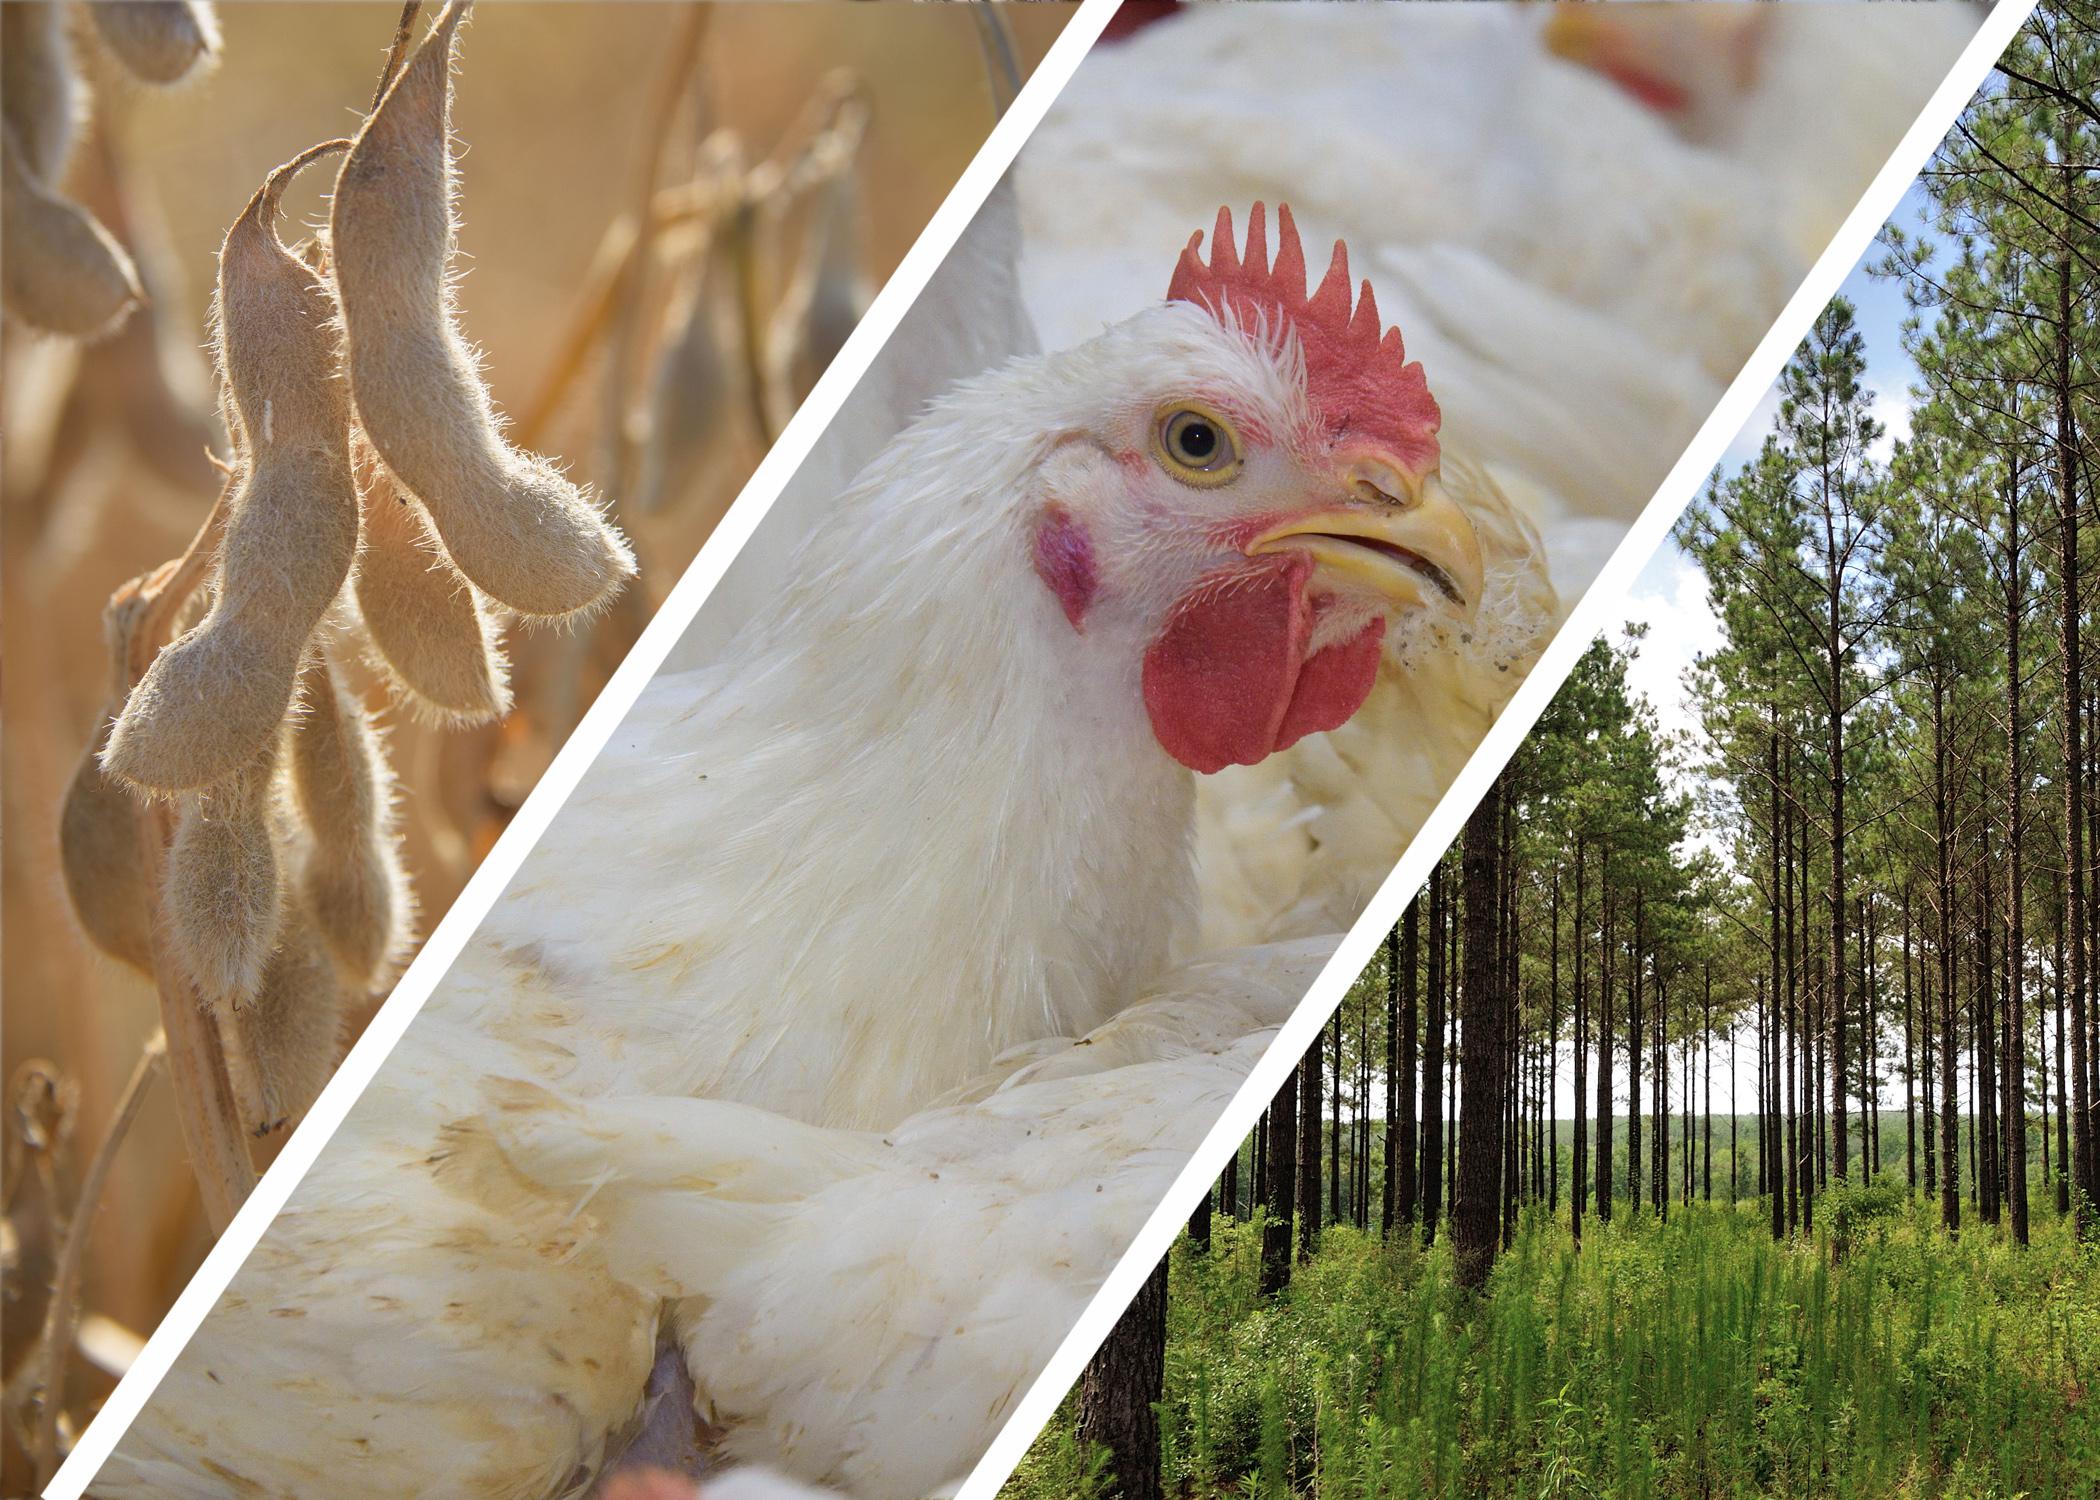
x=1333, y=685
x=1218, y=678
x=1227, y=681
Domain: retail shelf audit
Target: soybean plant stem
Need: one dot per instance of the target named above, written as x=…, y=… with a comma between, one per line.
x=1002, y=69
x=62, y=1312
x=672, y=86
x=397, y=51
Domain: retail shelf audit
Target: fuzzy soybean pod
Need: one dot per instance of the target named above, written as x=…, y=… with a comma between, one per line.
x=509, y=520
x=60, y=271
x=222, y=894
x=158, y=41
x=351, y=875
x=98, y=846
x=40, y=93
x=99, y=837
x=428, y=627
x=212, y=701
x=292, y=1029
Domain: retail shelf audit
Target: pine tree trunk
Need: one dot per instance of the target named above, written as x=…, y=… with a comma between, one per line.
x=2015, y=929
x=1258, y=1164
x=1797, y=1078
x=1771, y=1159
x=1311, y=1073
x=1389, y=1200
x=1604, y=1038
x=2041, y=1088
x=1283, y=1187
x=1451, y=1017
x=1834, y=664
x=1765, y=1153
x=1482, y=1076
x=1928, y=1132
x=1659, y=1110
x=2063, y=1117
x=1361, y=1177
x=1433, y=1062
x=1506, y=987
x=2091, y=988
x=1578, y=1176
x=2082, y=1166
x=1950, y=1115
x=1983, y=1086
x=1121, y=1388
x=1403, y=1116
x=1812, y=1017
x=1636, y=1042
x=1910, y=1060
x=1334, y=1156
x=1549, y=1108
x=1706, y=1087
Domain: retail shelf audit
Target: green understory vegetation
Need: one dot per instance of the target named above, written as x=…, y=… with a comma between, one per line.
x=1693, y=1358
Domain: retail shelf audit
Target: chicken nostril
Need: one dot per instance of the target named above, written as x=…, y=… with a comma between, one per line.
x=1364, y=489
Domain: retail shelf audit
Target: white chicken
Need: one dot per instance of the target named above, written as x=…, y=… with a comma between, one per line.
x=1467, y=130
x=933, y=812
x=1816, y=94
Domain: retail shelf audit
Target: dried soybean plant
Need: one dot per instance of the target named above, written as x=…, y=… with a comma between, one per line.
x=232, y=832
x=741, y=344
x=43, y=1107
x=735, y=341
x=61, y=271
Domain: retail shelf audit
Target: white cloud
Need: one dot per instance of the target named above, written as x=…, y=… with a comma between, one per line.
x=1892, y=410
x=1669, y=597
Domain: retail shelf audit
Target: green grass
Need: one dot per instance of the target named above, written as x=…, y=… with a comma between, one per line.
x=1695, y=1358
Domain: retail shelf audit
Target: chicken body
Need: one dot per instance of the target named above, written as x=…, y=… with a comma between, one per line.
x=857, y=1308
x=1816, y=94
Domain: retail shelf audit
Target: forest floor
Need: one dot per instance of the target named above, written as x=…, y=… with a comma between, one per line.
x=1689, y=1358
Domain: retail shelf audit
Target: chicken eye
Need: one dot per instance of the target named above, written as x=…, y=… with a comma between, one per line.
x=1196, y=446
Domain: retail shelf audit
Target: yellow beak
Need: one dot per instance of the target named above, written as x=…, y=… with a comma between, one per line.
x=1666, y=44
x=1573, y=33
x=1413, y=547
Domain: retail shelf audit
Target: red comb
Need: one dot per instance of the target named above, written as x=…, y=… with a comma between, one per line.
x=1356, y=371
